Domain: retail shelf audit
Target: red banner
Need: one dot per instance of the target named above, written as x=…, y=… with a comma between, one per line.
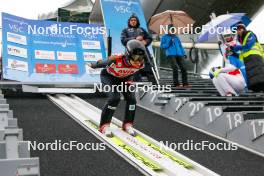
x=45, y=68
x=68, y=68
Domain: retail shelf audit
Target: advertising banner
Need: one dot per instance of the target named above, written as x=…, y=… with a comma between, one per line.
x=48, y=51
x=116, y=14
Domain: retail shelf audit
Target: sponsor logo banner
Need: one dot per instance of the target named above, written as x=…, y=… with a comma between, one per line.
x=17, y=65
x=124, y=71
x=44, y=54
x=92, y=57
x=68, y=68
x=17, y=51
x=16, y=38
x=43, y=45
x=61, y=55
x=45, y=68
x=90, y=44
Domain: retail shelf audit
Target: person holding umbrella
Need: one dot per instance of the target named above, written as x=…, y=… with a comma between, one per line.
x=170, y=42
x=252, y=54
x=175, y=54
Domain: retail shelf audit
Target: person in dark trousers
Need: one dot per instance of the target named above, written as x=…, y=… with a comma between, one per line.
x=134, y=31
x=119, y=70
x=176, y=55
x=252, y=54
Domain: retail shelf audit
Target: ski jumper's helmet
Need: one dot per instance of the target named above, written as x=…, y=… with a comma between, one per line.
x=135, y=50
x=228, y=35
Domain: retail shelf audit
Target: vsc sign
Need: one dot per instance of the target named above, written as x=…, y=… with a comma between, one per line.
x=16, y=28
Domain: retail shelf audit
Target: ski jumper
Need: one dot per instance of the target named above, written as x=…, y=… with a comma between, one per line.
x=116, y=71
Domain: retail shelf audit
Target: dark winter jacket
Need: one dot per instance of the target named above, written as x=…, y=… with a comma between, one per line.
x=130, y=33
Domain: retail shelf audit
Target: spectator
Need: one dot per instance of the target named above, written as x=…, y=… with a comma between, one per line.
x=251, y=53
x=175, y=54
x=134, y=31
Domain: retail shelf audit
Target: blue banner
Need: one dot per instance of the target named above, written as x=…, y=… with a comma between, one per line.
x=47, y=51
x=116, y=14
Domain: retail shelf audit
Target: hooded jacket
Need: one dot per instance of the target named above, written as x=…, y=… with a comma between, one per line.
x=172, y=45
x=130, y=32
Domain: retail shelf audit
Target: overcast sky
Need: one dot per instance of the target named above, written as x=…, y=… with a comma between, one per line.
x=31, y=8
x=257, y=25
